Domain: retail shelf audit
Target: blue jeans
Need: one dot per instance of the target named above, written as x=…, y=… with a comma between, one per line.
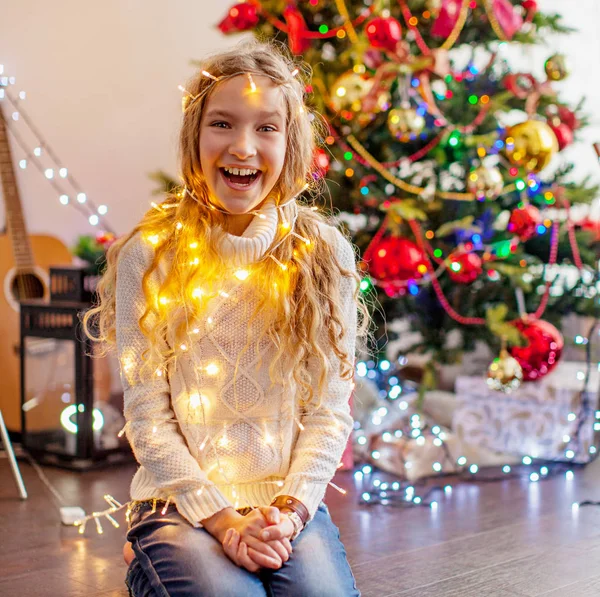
x=174, y=559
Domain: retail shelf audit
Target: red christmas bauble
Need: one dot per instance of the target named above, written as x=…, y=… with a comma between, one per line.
x=464, y=268
x=568, y=117
x=524, y=221
x=543, y=350
x=395, y=259
x=384, y=33
x=530, y=6
x=240, y=17
x=564, y=135
x=446, y=19
x=321, y=163
x=591, y=226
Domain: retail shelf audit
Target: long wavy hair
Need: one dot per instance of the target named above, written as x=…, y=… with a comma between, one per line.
x=299, y=303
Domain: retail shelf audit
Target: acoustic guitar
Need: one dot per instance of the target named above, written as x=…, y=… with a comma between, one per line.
x=24, y=264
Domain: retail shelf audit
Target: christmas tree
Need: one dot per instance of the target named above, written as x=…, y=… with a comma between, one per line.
x=462, y=215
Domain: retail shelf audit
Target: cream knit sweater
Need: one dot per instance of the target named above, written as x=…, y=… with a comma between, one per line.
x=207, y=439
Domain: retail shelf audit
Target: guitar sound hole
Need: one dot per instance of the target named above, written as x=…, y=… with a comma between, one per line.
x=27, y=286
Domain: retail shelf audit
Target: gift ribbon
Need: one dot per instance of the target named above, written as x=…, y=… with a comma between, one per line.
x=526, y=87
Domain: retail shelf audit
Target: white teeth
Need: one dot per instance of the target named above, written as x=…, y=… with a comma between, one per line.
x=240, y=171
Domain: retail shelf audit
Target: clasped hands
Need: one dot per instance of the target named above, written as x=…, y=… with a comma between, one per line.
x=261, y=539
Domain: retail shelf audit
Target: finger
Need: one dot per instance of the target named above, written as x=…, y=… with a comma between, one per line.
x=284, y=529
x=282, y=552
x=227, y=547
x=230, y=544
x=287, y=544
x=272, y=514
x=261, y=547
x=244, y=558
x=263, y=560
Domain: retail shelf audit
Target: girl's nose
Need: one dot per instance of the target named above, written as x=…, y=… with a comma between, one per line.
x=242, y=147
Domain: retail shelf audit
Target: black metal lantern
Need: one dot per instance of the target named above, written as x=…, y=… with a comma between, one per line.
x=62, y=423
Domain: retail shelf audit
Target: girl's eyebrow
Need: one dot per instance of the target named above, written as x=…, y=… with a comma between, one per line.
x=262, y=115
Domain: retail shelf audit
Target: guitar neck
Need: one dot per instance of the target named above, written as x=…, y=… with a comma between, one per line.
x=15, y=222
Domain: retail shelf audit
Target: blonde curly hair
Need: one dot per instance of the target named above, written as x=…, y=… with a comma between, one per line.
x=299, y=307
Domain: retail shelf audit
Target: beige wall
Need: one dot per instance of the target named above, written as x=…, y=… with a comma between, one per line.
x=101, y=81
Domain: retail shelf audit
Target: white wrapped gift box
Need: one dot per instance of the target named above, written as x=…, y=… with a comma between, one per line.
x=552, y=418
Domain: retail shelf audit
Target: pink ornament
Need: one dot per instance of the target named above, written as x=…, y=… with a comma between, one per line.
x=508, y=18
x=447, y=18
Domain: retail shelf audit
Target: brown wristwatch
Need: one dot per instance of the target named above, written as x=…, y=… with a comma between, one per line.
x=295, y=510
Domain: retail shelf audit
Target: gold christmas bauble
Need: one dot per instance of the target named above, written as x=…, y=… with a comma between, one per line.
x=485, y=182
x=405, y=121
x=348, y=92
x=504, y=374
x=556, y=67
x=531, y=144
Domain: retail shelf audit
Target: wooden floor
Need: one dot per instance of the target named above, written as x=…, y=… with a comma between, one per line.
x=502, y=538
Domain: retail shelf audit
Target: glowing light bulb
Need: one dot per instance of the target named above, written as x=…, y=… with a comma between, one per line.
x=212, y=369
x=197, y=293
x=153, y=238
x=93, y=219
x=102, y=209
x=81, y=197
x=64, y=199
x=163, y=300
x=242, y=274
x=195, y=400
x=194, y=245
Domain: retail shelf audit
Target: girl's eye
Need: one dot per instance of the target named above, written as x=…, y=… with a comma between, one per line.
x=268, y=128
x=219, y=124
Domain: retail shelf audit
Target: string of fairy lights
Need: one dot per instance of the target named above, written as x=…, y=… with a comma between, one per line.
x=42, y=156
x=418, y=430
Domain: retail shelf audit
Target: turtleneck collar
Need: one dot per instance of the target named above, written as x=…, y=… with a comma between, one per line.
x=256, y=239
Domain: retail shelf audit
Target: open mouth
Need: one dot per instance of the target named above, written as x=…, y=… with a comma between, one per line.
x=240, y=177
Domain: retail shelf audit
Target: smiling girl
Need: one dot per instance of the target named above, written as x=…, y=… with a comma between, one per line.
x=235, y=311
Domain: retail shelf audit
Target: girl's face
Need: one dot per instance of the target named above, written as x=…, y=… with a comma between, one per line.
x=243, y=142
